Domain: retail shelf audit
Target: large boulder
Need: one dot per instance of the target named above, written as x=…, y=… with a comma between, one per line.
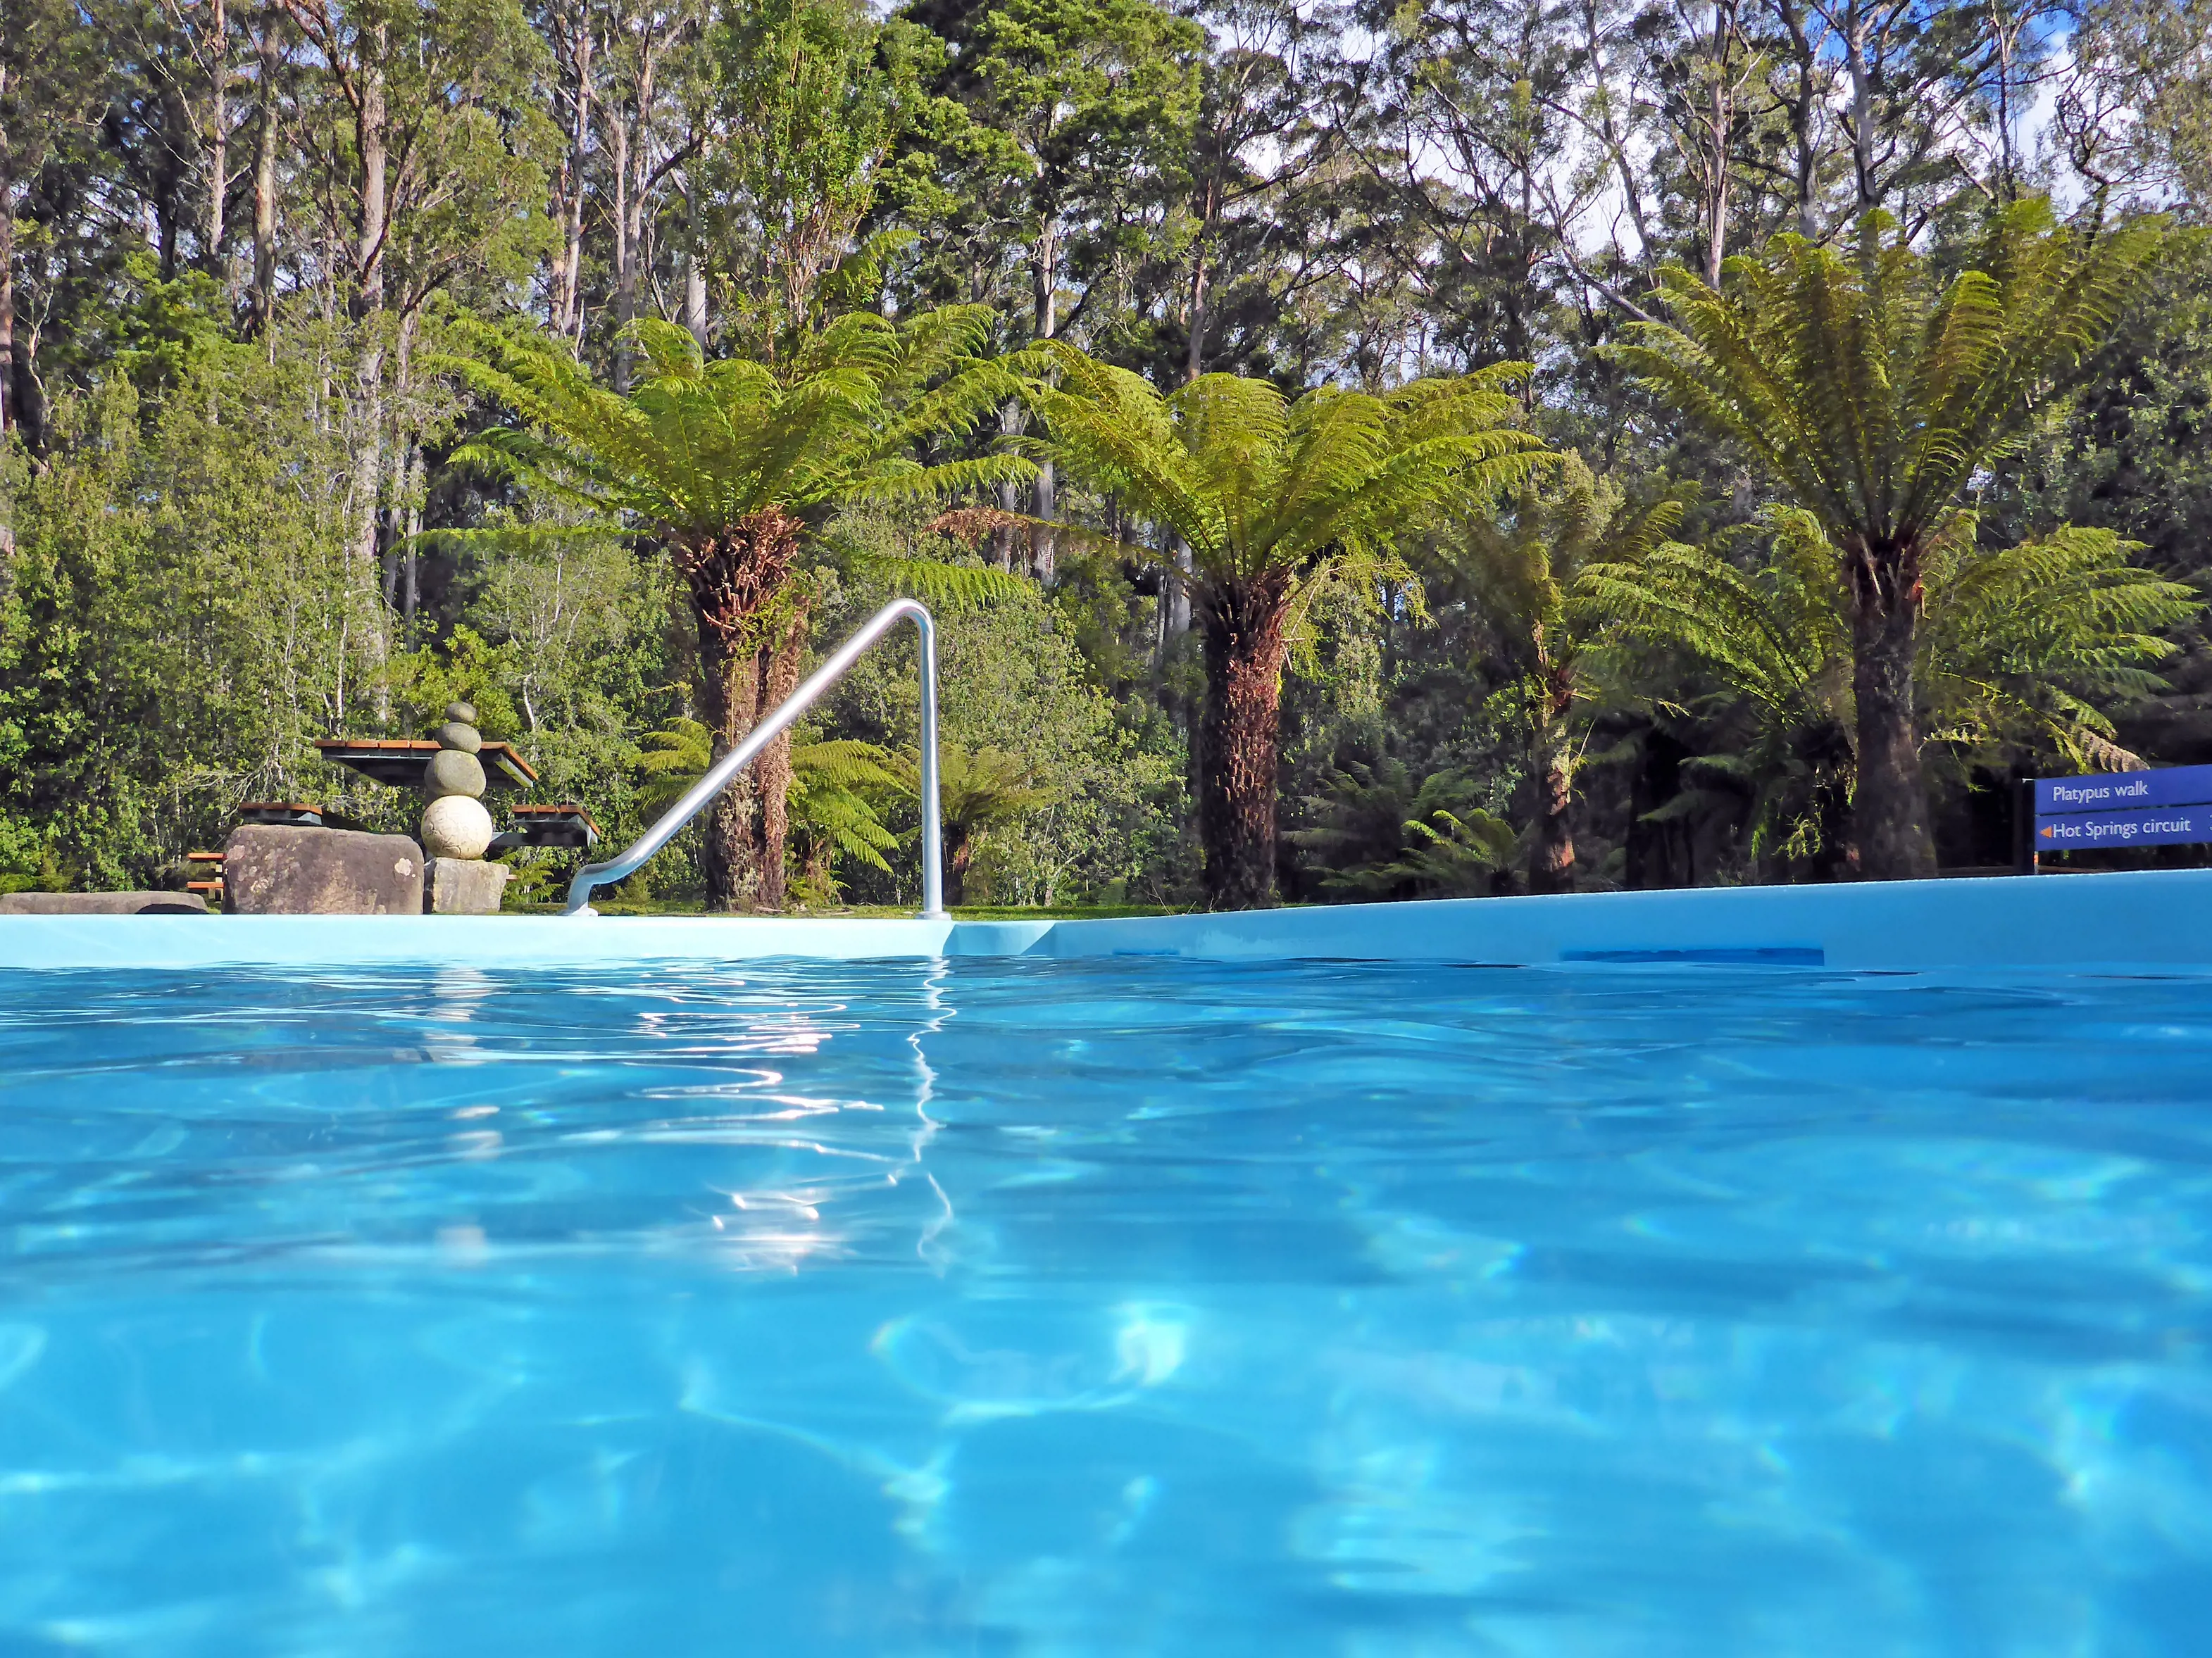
x=102, y=903
x=467, y=886
x=271, y=868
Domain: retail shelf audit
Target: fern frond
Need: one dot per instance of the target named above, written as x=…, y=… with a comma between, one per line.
x=948, y=586
x=1869, y=394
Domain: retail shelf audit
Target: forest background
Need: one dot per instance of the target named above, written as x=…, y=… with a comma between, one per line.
x=236, y=240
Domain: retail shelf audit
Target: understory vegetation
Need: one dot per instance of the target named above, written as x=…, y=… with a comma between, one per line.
x=1353, y=451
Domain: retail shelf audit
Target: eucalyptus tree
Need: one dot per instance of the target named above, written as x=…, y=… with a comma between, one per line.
x=1255, y=138
x=812, y=95
x=2133, y=112
x=426, y=141
x=1075, y=150
x=1274, y=498
x=1874, y=393
x=52, y=86
x=731, y=468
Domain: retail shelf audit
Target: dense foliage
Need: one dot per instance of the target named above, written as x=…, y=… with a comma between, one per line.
x=601, y=360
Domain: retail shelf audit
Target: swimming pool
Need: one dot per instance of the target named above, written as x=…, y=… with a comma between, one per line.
x=1105, y=1306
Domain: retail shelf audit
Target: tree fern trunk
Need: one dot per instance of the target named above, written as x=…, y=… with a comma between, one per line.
x=1239, y=735
x=1551, y=856
x=751, y=639
x=725, y=707
x=959, y=853
x=1827, y=751
x=1889, y=808
x=1551, y=860
x=778, y=661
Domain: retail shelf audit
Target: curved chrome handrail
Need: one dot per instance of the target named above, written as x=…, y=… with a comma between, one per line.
x=718, y=776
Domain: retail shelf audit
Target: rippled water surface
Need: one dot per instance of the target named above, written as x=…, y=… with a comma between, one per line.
x=1111, y=1307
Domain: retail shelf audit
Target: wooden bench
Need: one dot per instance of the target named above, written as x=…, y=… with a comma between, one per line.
x=214, y=859
x=297, y=813
x=399, y=761
x=565, y=825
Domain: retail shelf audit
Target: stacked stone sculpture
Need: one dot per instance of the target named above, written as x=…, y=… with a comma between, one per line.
x=456, y=824
x=456, y=829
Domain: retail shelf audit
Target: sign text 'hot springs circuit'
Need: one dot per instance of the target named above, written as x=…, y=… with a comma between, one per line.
x=2169, y=807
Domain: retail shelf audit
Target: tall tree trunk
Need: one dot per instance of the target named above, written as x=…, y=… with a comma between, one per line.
x=632, y=166
x=695, y=299
x=1047, y=325
x=410, y=589
x=374, y=140
x=1011, y=424
x=1716, y=196
x=366, y=500
x=1889, y=811
x=1800, y=110
x=575, y=46
x=625, y=257
x=7, y=304
x=2007, y=32
x=1194, y=358
x=372, y=135
x=167, y=190
x=218, y=178
x=752, y=638
x=271, y=51
x=1627, y=176
x=1239, y=738
x=1858, y=33
x=694, y=269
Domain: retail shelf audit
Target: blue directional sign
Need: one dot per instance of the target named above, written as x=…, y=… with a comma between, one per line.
x=2169, y=807
x=2154, y=826
x=2124, y=791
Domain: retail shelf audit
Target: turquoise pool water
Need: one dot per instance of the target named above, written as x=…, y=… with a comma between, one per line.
x=1106, y=1308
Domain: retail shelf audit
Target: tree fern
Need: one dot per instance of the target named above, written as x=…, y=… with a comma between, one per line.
x=2025, y=651
x=729, y=467
x=831, y=810
x=1520, y=565
x=1872, y=392
x=700, y=446
x=1272, y=498
x=1378, y=834
x=834, y=789
x=2022, y=654
x=978, y=789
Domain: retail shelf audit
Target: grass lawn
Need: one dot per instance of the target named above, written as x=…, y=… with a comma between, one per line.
x=608, y=904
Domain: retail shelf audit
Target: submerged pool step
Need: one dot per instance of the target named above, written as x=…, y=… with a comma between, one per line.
x=1746, y=955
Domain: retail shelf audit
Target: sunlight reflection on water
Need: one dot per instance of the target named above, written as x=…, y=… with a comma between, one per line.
x=1105, y=1308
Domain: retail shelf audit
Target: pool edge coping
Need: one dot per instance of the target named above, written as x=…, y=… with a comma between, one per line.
x=2144, y=918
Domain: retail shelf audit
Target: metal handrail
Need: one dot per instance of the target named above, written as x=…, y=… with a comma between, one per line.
x=718, y=775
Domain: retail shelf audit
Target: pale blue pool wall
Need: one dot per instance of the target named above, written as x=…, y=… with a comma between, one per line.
x=2153, y=919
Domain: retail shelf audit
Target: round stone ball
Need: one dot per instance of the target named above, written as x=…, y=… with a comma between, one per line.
x=461, y=714
x=456, y=826
x=463, y=738
x=451, y=771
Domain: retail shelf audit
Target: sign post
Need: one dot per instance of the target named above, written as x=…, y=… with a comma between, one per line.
x=2169, y=807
